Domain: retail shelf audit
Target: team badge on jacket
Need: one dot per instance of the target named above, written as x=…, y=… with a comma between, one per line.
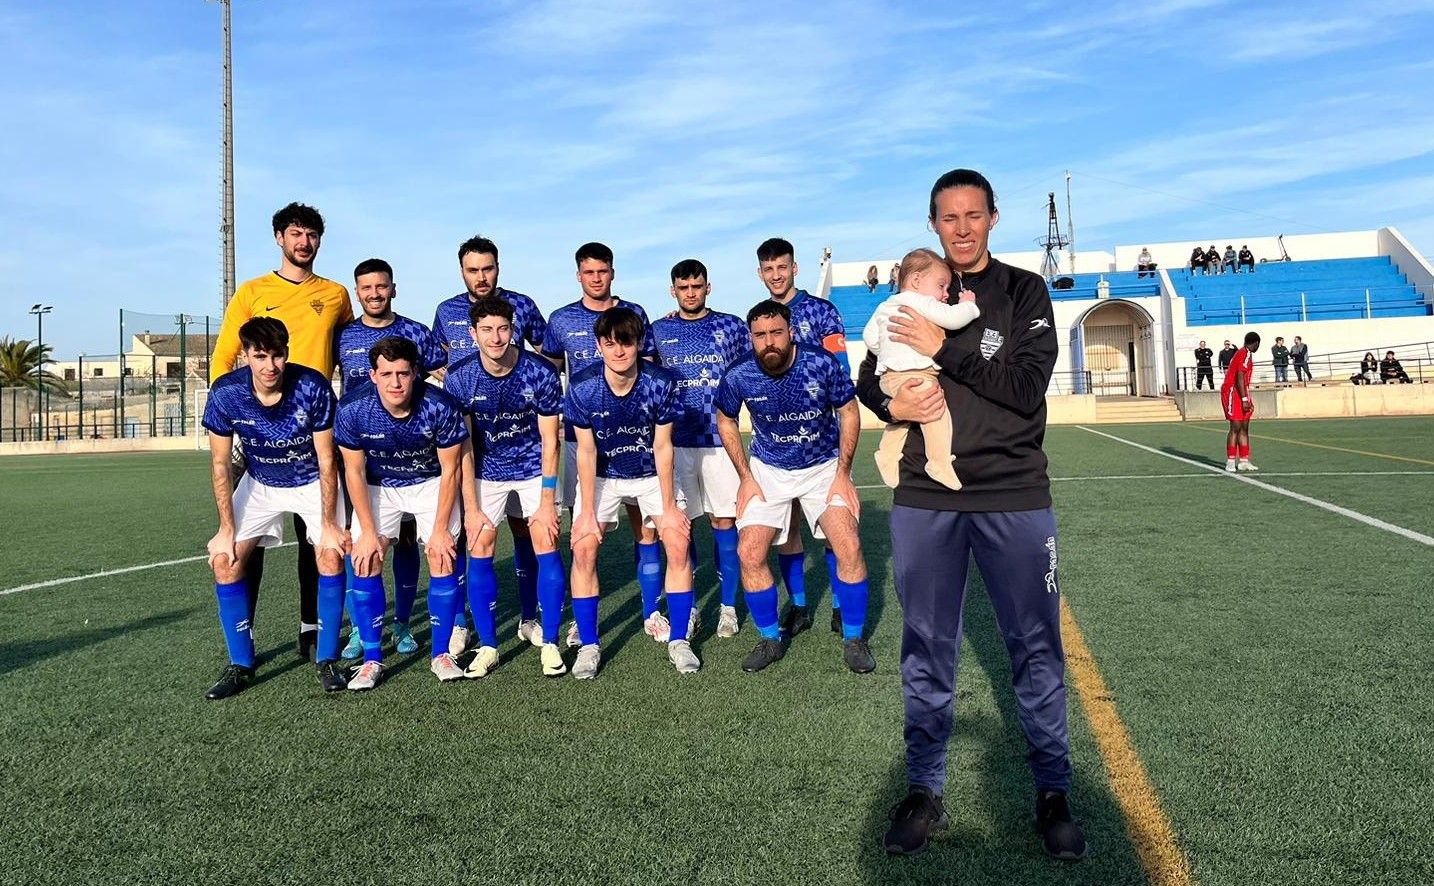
x=991, y=342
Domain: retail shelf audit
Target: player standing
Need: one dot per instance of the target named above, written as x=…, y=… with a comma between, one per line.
x=513, y=399
x=804, y=433
x=283, y=415
x=311, y=308
x=1239, y=408
x=815, y=322
x=696, y=345
x=622, y=411
x=573, y=347
x=375, y=290
x=478, y=263
x=402, y=445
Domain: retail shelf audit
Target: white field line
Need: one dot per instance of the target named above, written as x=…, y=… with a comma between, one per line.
x=1246, y=478
x=108, y=572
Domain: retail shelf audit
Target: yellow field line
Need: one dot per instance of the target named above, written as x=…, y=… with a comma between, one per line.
x=1145, y=821
x=1417, y=461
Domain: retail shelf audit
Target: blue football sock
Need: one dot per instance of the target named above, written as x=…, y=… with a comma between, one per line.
x=525, y=566
x=763, y=606
x=649, y=576
x=483, y=598
x=442, y=603
x=460, y=574
x=405, y=581
x=331, y=616
x=679, y=610
x=729, y=568
x=794, y=576
x=585, y=612
x=552, y=588
x=233, y=600
x=853, y=614
x=831, y=576
x=368, y=605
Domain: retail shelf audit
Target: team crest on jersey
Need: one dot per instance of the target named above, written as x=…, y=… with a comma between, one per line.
x=719, y=336
x=528, y=393
x=804, y=327
x=301, y=416
x=991, y=342
x=318, y=306
x=813, y=389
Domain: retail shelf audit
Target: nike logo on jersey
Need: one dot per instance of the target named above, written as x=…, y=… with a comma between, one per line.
x=271, y=307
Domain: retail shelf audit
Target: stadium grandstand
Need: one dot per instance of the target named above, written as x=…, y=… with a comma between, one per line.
x=1127, y=335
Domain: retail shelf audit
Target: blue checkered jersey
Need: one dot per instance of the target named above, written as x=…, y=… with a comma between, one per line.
x=814, y=320
x=794, y=421
x=278, y=440
x=450, y=323
x=696, y=352
x=353, y=340
x=623, y=427
x=400, y=451
x=570, y=336
x=507, y=444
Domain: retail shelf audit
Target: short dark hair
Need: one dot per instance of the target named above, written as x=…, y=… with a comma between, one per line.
x=595, y=251
x=394, y=347
x=265, y=334
x=373, y=266
x=1279, y=338
x=619, y=324
x=1252, y=338
x=688, y=268
x=479, y=244
x=301, y=215
x=490, y=306
x=774, y=248
x=769, y=308
x=962, y=178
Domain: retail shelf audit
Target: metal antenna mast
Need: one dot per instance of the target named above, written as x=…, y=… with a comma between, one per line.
x=226, y=211
x=1070, y=220
x=1053, y=242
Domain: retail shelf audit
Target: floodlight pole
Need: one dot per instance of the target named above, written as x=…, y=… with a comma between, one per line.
x=226, y=211
x=40, y=312
x=1070, y=221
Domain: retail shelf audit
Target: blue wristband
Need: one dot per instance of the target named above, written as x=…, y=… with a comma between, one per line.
x=550, y=482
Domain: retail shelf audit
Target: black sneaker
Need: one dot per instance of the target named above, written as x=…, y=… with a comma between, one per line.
x=331, y=676
x=796, y=620
x=233, y=680
x=857, y=656
x=836, y=622
x=308, y=640
x=913, y=820
x=1059, y=832
x=765, y=653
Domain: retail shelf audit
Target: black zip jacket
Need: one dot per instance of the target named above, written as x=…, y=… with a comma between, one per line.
x=994, y=373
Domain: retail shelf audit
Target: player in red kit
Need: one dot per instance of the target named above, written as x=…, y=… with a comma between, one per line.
x=1239, y=408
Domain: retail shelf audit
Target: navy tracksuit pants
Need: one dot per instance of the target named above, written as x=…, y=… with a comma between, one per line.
x=1016, y=553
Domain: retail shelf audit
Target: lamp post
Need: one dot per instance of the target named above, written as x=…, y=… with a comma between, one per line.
x=40, y=313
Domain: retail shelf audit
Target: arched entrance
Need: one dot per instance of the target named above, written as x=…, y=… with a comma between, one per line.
x=1117, y=347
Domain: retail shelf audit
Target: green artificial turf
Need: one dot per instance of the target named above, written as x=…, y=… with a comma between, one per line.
x=1268, y=658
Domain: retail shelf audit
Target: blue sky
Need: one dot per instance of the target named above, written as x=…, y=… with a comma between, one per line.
x=670, y=130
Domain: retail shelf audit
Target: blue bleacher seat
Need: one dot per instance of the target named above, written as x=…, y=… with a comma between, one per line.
x=1326, y=289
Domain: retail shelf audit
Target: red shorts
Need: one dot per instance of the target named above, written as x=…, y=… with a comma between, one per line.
x=1234, y=407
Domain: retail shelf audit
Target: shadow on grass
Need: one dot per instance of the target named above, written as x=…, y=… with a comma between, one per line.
x=995, y=841
x=14, y=656
x=1202, y=457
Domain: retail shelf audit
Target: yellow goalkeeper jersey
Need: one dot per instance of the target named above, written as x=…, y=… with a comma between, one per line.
x=311, y=311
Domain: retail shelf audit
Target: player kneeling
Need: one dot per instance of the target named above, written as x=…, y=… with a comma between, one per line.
x=402, y=441
x=622, y=413
x=284, y=417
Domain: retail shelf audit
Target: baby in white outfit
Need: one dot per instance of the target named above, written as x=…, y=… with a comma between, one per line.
x=924, y=282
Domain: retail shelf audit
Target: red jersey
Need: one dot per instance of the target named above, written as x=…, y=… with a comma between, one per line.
x=1243, y=363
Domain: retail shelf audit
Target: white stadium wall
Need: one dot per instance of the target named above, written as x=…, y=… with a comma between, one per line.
x=1410, y=263
x=1301, y=247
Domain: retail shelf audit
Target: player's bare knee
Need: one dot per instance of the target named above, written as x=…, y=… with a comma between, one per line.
x=675, y=546
x=331, y=562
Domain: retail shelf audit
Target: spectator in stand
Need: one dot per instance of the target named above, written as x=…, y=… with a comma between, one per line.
x=1280, y=359
x=1227, y=354
x=1212, y=261
x=1203, y=372
x=1230, y=259
x=895, y=276
x=1247, y=258
x=1390, y=371
x=1368, y=370
x=1300, y=354
x=873, y=279
x=1144, y=264
x=1197, y=260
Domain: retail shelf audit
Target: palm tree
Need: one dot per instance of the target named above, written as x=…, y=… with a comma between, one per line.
x=18, y=360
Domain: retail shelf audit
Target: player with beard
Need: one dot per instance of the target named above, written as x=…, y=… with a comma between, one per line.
x=311, y=308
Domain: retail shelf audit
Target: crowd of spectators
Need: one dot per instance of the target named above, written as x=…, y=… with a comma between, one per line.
x=1372, y=370
x=1212, y=261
